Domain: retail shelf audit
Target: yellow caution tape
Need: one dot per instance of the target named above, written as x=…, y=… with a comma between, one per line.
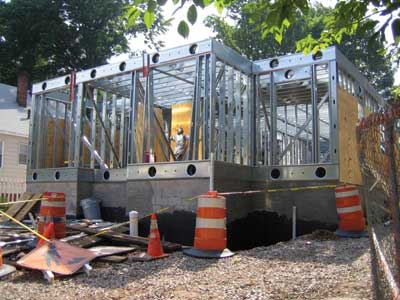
x=24, y=226
x=294, y=189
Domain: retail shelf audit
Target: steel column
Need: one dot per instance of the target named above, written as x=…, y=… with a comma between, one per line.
x=315, y=115
x=93, y=130
x=213, y=101
x=333, y=112
x=273, y=127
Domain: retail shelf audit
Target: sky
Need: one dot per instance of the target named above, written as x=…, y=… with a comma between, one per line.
x=199, y=31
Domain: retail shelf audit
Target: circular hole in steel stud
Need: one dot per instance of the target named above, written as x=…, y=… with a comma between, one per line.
x=106, y=175
x=275, y=173
x=191, y=170
x=44, y=86
x=274, y=63
x=93, y=73
x=317, y=55
x=34, y=176
x=156, y=58
x=152, y=171
x=320, y=172
x=57, y=175
x=122, y=66
x=67, y=80
x=193, y=49
x=289, y=74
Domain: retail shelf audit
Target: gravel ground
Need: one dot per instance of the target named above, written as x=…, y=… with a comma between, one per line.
x=301, y=269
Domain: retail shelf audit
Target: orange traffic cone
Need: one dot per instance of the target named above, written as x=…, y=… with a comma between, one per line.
x=155, y=249
x=48, y=233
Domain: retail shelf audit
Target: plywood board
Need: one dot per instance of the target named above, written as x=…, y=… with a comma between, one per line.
x=159, y=143
x=58, y=151
x=349, y=166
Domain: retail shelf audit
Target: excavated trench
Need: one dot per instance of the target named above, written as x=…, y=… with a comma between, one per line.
x=261, y=228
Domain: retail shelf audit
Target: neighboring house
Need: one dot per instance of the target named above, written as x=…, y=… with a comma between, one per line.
x=14, y=132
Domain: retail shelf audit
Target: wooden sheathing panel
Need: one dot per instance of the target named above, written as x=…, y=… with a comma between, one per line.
x=85, y=150
x=159, y=143
x=349, y=166
x=58, y=151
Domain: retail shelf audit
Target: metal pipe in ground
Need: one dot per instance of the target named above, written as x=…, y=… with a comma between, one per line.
x=211, y=171
x=294, y=213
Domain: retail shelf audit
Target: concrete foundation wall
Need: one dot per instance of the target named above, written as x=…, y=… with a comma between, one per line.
x=146, y=195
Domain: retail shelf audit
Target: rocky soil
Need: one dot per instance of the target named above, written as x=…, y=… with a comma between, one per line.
x=308, y=268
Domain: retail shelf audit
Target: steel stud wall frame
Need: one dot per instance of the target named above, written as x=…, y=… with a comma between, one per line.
x=275, y=113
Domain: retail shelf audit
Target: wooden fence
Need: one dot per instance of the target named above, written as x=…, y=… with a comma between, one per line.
x=11, y=189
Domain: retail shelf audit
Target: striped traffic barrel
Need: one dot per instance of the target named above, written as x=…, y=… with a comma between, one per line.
x=348, y=206
x=210, y=232
x=52, y=209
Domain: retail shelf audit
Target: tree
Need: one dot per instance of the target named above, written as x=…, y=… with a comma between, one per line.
x=275, y=17
x=45, y=38
x=245, y=37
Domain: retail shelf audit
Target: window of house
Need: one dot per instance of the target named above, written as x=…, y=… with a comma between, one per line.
x=23, y=154
x=1, y=153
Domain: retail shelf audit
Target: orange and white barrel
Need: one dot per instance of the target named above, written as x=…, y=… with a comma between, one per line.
x=348, y=206
x=52, y=209
x=210, y=233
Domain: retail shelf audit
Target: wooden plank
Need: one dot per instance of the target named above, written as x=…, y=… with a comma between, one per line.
x=27, y=207
x=16, y=207
x=14, y=250
x=113, y=259
x=124, y=238
x=349, y=166
x=102, y=251
x=86, y=241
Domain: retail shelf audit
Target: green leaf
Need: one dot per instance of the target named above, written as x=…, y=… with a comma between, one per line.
x=161, y=2
x=183, y=29
x=192, y=14
x=151, y=5
x=175, y=1
x=148, y=19
x=219, y=4
x=396, y=30
x=133, y=13
x=207, y=2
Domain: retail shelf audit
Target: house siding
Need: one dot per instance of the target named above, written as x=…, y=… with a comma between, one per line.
x=11, y=168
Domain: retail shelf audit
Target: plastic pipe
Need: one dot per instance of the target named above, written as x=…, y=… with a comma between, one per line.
x=133, y=223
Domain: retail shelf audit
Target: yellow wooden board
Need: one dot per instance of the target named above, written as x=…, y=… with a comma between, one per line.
x=58, y=152
x=349, y=166
x=159, y=140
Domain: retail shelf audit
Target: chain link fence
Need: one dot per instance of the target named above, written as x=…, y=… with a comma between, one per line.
x=379, y=152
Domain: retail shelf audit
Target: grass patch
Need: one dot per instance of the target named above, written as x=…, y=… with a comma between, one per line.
x=3, y=207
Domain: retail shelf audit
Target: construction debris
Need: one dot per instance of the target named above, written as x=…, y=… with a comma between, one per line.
x=123, y=238
x=65, y=256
